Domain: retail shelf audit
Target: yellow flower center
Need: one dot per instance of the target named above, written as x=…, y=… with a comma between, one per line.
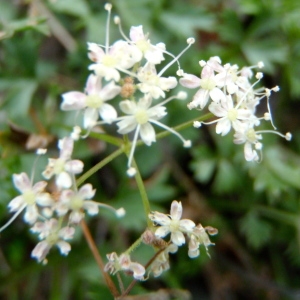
x=29, y=197
x=93, y=101
x=207, y=84
x=141, y=116
x=251, y=136
x=76, y=203
x=109, y=61
x=143, y=45
x=232, y=114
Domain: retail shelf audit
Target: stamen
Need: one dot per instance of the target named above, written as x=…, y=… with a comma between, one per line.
x=13, y=217
x=190, y=41
x=186, y=143
x=133, y=144
x=107, y=7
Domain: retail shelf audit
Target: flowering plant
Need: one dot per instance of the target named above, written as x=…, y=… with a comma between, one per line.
x=125, y=103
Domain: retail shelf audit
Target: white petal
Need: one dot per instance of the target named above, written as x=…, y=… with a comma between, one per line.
x=223, y=126
x=128, y=107
x=90, y=117
x=147, y=133
x=107, y=113
x=66, y=148
x=186, y=225
x=216, y=94
x=39, y=187
x=176, y=210
x=93, y=84
x=64, y=247
x=167, y=83
x=63, y=180
x=190, y=81
x=86, y=191
x=73, y=101
x=74, y=166
x=44, y=199
x=162, y=231
x=31, y=214
x=40, y=251
x=127, y=125
x=177, y=238
x=136, y=33
x=16, y=203
x=21, y=182
x=91, y=207
x=109, y=91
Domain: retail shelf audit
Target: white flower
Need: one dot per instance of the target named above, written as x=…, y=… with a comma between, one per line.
x=139, y=117
x=199, y=236
x=51, y=234
x=31, y=197
x=76, y=202
x=63, y=166
x=161, y=263
x=124, y=263
x=153, y=54
x=228, y=115
x=121, y=56
x=93, y=101
x=209, y=84
x=153, y=83
x=172, y=224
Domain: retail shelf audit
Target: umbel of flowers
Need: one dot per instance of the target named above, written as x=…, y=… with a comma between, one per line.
x=127, y=87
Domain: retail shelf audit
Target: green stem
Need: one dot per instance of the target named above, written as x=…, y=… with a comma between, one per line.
x=143, y=193
x=99, y=165
x=134, y=246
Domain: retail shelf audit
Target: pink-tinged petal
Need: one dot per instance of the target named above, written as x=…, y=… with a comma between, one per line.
x=176, y=210
x=73, y=101
x=67, y=233
x=31, y=214
x=66, y=196
x=41, y=250
x=39, y=187
x=190, y=81
x=16, y=203
x=74, y=166
x=147, y=133
x=223, y=126
x=63, y=247
x=107, y=113
x=193, y=244
x=249, y=153
x=186, y=225
x=138, y=270
x=21, y=182
x=177, y=238
x=44, y=199
x=216, y=94
x=127, y=125
x=162, y=231
x=109, y=91
x=145, y=102
x=91, y=207
x=63, y=180
x=90, y=117
x=66, y=148
x=159, y=218
x=76, y=216
x=217, y=110
x=207, y=72
x=96, y=53
x=136, y=33
x=201, y=98
x=167, y=83
x=86, y=191
x=93, y=84
x=128, y=107
x=193, y=253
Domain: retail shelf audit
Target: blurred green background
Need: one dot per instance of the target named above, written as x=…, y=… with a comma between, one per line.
x=256, y=207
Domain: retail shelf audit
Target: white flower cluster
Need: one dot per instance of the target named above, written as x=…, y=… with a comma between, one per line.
x=234, y=100
x=54, y=216
x=181, y=231
x=127, y=68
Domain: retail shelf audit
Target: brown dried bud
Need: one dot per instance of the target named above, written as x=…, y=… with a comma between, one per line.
x=128, y=87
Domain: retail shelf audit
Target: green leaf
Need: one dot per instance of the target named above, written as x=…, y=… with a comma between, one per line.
x=77, y=8
x=257, y=231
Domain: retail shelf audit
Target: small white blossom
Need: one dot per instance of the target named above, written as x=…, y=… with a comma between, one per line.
x=51, y=234
x=124, y=263
x=63, y=167
x=172, y=224
x=93, y=101
x=31, y=197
